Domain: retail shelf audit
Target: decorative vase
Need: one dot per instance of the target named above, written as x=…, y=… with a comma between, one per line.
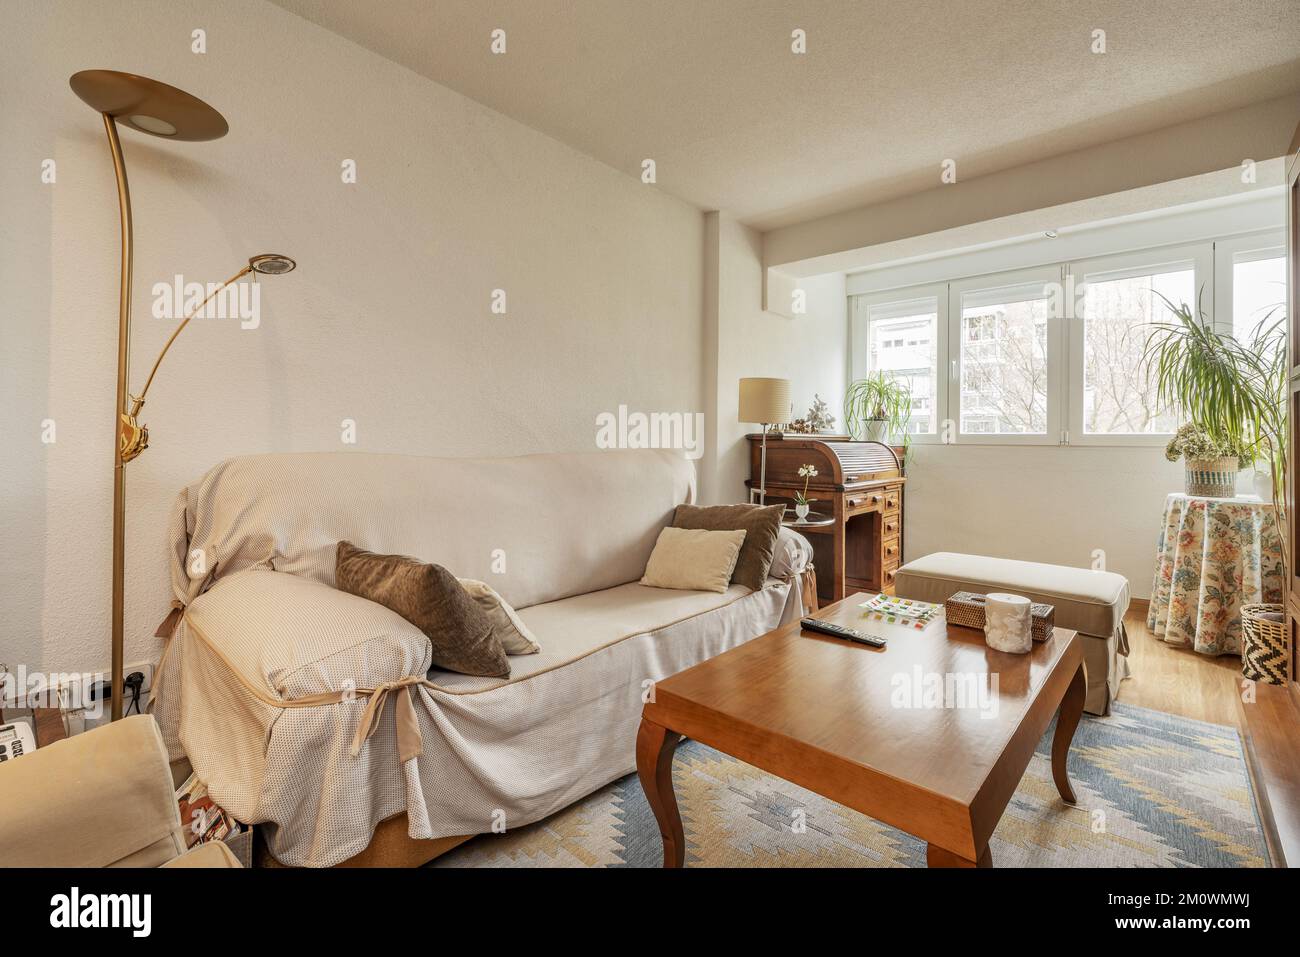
x=876, y=429
x=1212, y=478
x=801, y=511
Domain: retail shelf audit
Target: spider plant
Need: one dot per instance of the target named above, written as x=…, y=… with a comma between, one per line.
x=879, y=405
x=1235, y=391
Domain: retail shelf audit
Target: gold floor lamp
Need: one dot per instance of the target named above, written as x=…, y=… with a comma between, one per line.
x=160, y=110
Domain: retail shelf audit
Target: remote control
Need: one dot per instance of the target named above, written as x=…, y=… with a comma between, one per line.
x=839, y=631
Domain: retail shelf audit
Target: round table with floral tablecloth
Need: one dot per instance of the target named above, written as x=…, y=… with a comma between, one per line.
x=1214, y=555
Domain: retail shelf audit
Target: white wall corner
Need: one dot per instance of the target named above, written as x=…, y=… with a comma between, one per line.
x=783, y=294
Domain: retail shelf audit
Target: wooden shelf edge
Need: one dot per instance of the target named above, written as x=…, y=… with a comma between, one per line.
x=1270, y=736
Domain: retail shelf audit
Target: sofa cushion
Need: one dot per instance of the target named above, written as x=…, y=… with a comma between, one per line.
x=761, y=525
x=429, y=597
x=573, y=628
x=99, y=799
x=692, y=558
x=507, y=626
x=1091, y=602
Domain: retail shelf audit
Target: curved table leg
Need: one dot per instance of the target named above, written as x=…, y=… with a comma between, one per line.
x=1066, y=721
x=654, y=766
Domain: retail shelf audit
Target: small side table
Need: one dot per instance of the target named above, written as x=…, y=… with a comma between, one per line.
x=1214, y=555
x=814, y=520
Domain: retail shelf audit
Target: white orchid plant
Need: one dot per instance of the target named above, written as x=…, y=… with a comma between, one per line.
x=806, y=472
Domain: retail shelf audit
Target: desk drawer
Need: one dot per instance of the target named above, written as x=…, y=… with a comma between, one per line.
x=855, y=503
x=893, y=499
x=891, y=552
x=891, y=525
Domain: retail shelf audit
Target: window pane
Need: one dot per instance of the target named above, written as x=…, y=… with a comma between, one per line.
x=1004, y=361
x=903, y=340
x=1117, y=398
x=1258, y=288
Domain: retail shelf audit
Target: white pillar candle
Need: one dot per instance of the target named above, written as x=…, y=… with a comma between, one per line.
x=1008, y=623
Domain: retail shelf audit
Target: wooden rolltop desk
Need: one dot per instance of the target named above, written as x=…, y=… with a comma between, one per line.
x=858, y=484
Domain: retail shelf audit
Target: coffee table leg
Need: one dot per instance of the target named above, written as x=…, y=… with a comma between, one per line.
x=936, y=856
x=1066, y=721
x=654, y=766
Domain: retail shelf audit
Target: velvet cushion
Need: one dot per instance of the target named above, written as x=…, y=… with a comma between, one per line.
x=761, y=525
x=429, y=597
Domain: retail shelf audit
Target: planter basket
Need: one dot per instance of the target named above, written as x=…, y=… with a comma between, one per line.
x=1212, y=478
x=1263, y=644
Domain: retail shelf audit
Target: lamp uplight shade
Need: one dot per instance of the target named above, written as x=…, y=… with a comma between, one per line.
x=766, y=401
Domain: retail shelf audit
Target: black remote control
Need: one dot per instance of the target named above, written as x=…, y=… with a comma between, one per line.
x=839, y=631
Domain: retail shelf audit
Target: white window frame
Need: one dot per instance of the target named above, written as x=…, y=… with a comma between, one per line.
x=1047, y=276
x=1137, y=262
x=1228, y=227
x=1262, y=244
x=860, y=339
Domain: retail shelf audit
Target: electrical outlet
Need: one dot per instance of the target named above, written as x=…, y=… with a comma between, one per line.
x=146, y=669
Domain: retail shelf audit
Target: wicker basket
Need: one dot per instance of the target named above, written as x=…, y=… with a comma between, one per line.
x=966, y=608
x=1212, y=478
x=1263, y=644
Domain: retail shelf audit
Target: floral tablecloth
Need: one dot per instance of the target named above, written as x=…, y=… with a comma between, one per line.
x=1214, y=555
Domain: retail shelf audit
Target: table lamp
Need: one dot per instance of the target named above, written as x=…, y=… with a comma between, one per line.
x=767, y=402
x=146, y=106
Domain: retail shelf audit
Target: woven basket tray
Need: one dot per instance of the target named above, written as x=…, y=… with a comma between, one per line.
x=966, y=608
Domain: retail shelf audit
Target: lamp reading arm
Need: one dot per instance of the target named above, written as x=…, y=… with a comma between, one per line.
x=135, y=437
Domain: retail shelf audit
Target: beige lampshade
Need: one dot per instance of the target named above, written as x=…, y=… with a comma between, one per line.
x=765, y=401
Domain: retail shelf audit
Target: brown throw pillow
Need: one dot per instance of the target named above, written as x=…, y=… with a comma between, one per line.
x=429, y=597
x=761, y=525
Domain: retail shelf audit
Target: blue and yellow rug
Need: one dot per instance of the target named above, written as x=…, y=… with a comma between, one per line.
x=1154, y=789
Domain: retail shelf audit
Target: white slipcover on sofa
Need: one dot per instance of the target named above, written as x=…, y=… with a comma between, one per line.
x=273, y=677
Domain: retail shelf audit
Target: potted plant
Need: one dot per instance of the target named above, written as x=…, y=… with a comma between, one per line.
x=801, y=500
x=878, y=407
x=1233, y=392
x=1211, y=464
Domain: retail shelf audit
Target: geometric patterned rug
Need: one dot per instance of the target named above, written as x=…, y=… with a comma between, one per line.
x=1154, y=790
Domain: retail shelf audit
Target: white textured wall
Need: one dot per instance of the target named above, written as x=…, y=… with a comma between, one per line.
x=386, y=320
x=1041, y=503
x=808, y=350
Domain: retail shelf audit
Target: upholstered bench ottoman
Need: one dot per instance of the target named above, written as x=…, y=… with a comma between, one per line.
x=1092, y=603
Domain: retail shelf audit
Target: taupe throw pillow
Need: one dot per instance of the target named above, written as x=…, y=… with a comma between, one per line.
x=429, y=597
x=761, y=525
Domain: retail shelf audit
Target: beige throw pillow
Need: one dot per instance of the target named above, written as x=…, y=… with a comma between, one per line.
x=693, y=559
x=506, y=625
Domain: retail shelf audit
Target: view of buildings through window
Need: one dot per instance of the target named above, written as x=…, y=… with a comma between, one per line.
x=1003, y=362
x=904, y=341
x=1118, y=398
x=1001, y=349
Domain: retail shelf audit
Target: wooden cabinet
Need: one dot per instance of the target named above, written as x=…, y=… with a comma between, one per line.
x=860, y=485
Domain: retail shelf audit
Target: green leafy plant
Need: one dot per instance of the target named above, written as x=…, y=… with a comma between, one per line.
x=1232, y=391
x=878, y=397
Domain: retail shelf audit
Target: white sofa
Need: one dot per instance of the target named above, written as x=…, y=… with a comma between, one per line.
x=271, y=670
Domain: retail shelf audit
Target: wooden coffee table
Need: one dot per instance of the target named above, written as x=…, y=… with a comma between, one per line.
x=830, y=715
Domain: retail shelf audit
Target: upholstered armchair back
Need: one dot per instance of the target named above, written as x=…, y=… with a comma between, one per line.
x=535, y=527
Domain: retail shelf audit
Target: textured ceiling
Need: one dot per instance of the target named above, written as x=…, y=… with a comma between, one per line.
x=887, y=90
